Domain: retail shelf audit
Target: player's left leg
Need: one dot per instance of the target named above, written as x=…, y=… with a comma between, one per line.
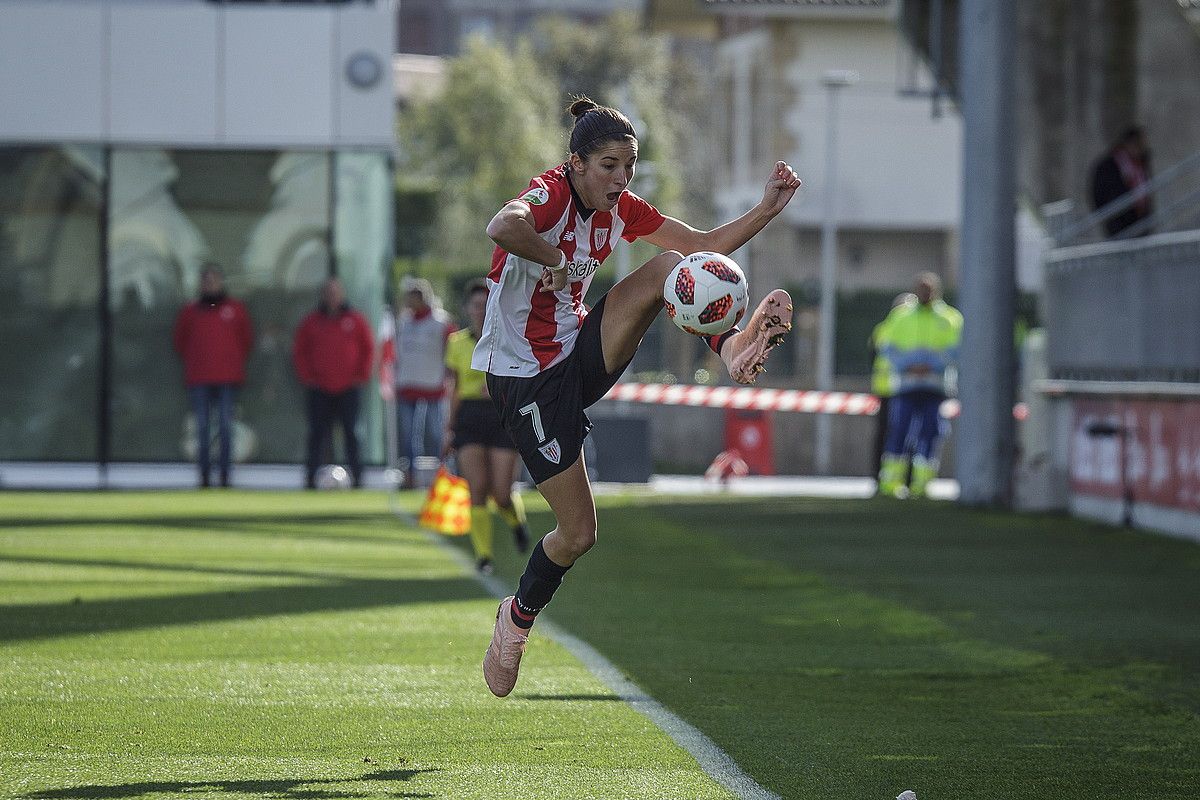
x=569, y=495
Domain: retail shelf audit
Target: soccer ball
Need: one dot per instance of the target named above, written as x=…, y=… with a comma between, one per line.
x=332, y=476
x=706, y=294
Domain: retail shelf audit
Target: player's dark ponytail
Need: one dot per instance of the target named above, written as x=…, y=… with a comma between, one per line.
x=595, y=125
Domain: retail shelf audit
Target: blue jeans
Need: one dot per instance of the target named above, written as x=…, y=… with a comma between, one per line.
x=914, y=425
x=203, y=398
x=421, y=423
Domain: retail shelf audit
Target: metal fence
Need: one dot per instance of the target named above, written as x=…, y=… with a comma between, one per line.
x=1125, y=310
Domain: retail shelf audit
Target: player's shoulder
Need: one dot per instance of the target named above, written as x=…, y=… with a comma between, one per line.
x=629, y=202
x=549, y=188
x=461, y=338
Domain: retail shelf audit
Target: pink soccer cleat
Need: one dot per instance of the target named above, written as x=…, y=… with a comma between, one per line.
x=746, y=352
x=502, y=660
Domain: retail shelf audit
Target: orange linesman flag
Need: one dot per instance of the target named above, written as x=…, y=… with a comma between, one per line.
x=447, y=509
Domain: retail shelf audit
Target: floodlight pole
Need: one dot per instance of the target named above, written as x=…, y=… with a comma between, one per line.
x=833, y=81
x=987, y=286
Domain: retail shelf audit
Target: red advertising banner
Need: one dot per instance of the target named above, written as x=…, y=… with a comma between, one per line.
x=1155, y=443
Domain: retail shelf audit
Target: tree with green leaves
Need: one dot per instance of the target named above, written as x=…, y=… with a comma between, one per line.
x=493, y=126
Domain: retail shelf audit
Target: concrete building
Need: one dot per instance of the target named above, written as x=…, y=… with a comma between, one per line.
x=897, y=162
x=438, y=27
x=139, y=140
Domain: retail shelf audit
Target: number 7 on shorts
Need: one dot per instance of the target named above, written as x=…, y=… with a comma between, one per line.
x=531, y=410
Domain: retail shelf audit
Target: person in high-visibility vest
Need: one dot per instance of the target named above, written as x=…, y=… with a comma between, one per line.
x=921, y=343
x=883, y=377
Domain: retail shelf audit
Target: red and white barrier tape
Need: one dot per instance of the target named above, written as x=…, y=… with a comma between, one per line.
x=749, y=397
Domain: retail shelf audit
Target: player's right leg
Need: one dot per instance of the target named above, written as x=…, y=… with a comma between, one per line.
x=569, y=495
x=745, y=352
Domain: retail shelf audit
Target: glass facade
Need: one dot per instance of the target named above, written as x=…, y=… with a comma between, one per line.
x=276, y=222
x=51, y=243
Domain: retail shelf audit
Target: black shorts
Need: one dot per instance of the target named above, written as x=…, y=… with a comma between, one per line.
x=544, y=413
x=477, y=422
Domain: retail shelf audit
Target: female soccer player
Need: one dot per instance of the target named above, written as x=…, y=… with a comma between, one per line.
x=487, y=457
x=548, y=357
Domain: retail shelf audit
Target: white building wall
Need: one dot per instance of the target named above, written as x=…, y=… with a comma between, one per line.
x=53, y=65
x=898, y=166
x=193, y=74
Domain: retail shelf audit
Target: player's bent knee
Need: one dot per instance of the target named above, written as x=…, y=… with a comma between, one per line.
x=579, y=537
x=666, y=261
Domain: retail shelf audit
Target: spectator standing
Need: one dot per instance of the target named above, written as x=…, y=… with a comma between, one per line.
x=332, y=356
x=921, y=342
x=883, y=376
x=1123, y=169
x=213, y=337
x=422, y=330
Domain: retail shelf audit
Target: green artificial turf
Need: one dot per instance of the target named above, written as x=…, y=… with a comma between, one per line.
x=306, y=646
x=311, y=646
x=850, y=649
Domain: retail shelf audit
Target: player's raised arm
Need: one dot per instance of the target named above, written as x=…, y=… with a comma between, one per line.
x=674, y=234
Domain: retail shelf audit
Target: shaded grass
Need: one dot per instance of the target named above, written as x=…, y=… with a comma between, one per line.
x=854, y=649
x=261, y=645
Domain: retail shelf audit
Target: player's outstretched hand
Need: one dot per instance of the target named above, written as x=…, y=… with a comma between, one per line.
x=781, y=187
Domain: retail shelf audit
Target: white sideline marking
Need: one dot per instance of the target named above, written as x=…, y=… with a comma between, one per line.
x=712, y=759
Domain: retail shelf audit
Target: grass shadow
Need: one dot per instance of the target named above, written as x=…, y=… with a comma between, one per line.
x=78, y=617
x=573, y=698
x=282, y=789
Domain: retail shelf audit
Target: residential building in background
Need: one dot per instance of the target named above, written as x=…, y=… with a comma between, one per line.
x=898, y=162
x=439, y=27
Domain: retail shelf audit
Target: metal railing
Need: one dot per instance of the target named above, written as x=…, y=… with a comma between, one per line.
x=1070, y=232
x=1125, y=310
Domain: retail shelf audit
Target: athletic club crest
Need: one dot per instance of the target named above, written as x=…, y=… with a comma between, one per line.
x=599, y=237
x=551, y=451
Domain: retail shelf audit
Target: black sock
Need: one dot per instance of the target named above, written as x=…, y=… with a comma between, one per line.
x=716, y=342
x=541, y=579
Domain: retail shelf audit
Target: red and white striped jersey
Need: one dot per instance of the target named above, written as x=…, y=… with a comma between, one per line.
x=527, y=331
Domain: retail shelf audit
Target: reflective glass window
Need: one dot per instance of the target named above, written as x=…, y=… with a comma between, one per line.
x=263, y=218
x=51, y=203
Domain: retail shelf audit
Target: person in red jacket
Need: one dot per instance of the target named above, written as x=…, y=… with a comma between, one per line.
x=332, y=355
x=213, y=336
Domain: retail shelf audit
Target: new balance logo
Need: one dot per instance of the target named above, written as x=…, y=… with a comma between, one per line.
x=551, y=451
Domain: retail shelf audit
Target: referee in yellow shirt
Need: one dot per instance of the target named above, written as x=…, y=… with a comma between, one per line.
x=487, y=457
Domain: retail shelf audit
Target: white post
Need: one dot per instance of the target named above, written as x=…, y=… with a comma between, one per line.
x=833, y=81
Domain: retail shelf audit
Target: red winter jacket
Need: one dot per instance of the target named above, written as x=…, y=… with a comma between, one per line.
x=332, y=352
x=214, y=341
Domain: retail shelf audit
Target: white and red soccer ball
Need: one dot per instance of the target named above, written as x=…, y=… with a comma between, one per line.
x=706, y=294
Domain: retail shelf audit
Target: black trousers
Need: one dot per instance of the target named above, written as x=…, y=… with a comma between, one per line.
x=324, y=409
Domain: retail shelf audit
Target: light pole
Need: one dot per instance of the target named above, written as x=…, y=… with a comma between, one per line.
x=833, y=80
